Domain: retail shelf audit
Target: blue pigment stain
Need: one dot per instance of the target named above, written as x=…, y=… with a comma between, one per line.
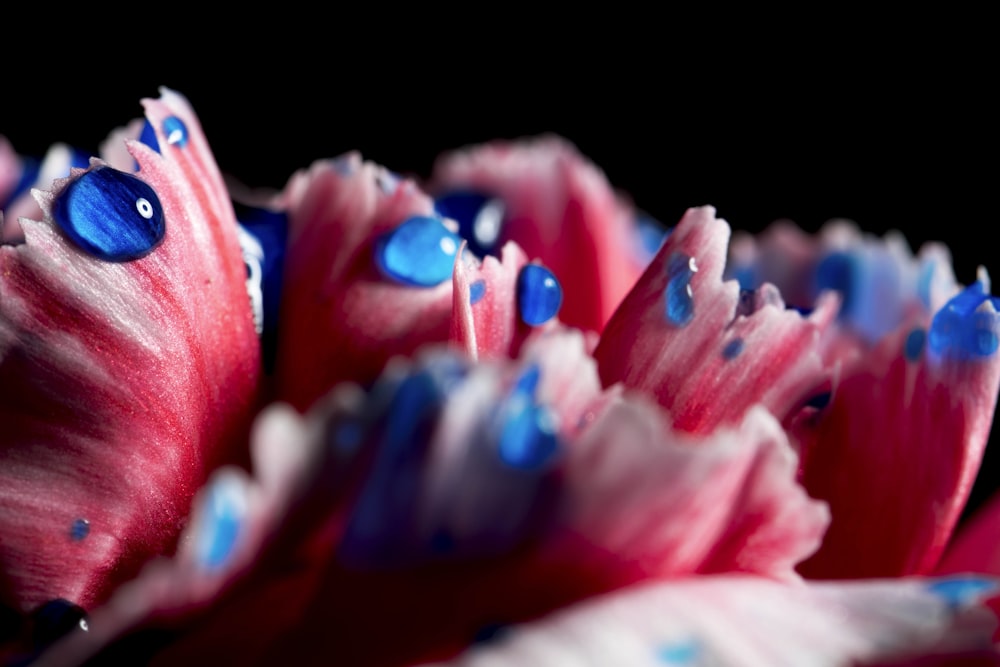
x=733, y=348
x=222, y=521
x=480, y=218
x=914, y=345
x=111, y=215
x=965, y=328
x=679, y=653
x=79, y=530
x=678, y=297
x=477, y=291
x=539, y=294
x=420, y=252
x=962, y=591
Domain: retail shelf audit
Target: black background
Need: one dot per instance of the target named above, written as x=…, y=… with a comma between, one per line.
x=889, y=123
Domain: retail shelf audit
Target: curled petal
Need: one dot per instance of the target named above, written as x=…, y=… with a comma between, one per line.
x=702, y=348
x=119, y=389
x=732, y=620
x=561, y=210
x=341, y=318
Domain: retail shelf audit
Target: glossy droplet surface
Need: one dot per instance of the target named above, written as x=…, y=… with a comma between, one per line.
x=480, y=218
x=221, y=521
x=420, y=252
x=111, y=215
x=54, y=620
x=79, y=530
x=968, y=326
x=539, y=294
x=962, y=591
x=678, y=296
x=477, y=291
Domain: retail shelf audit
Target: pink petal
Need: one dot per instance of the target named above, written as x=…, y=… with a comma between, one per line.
x=341, y=320
x=561, y=210
x=975, y=546
x=897, y=451
x=737, y=349
x=119, y=388
x=732, y=620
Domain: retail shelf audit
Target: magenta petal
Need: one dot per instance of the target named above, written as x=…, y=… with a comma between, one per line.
x=736, y=350
x=121, y=383
x=562, y=211
x=340, y=319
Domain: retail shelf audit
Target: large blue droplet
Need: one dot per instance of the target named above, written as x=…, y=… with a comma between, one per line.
x=962, y=591
x=961, y=330
x=79, y=529
x=112, y=215
x=222, y=518
x=480, y=218
x=678, y=297
x=539, y=294
x=420, y=252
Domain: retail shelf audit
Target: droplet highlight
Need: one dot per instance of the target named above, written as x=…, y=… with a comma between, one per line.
x=110, y=214
x=480, y=218
x=539, y=295
x=419, y=252
x=175, y=131
x=678, y=295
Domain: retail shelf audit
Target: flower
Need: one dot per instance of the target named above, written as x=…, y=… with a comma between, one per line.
x=441, y=436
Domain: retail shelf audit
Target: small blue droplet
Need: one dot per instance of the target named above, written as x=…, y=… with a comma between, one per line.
x=960, y=330
x=175, y=131
x=962, y=591
x=914, y=345
x=539, y=295
x=477, y=291
x=679, y=653
x=678, y=295
x=733, y=348
x=112, y=215
x=480, y=218
x=79, y=530
x=420, y=252
x=838, y=271
x=221, y=522
x=528, y=439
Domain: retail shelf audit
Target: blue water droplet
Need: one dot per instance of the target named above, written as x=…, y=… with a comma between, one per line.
x=54, y=620
x=112, y=215
x=964, y=590
x=480, y=218
x=148, y=136
x=420, y=252
x=528, y=439
x=961, y=330
x=838, y=271
x=539, y=295
x=477, y=291
x=733, y=348
x=679, y=653
x=175, y=131
x=79, y=529
x=914, y=345
x=223, y=512
x=678, y=295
